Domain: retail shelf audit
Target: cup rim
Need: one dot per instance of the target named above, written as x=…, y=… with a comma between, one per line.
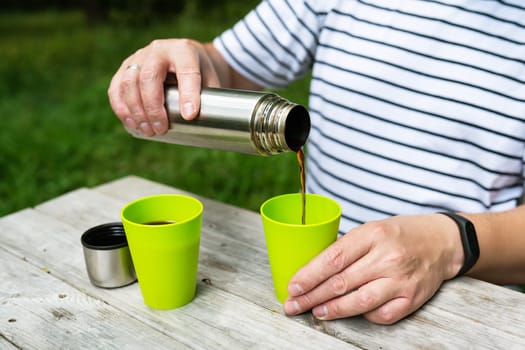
x=334, y=217
x=111, y=227
x=178, y=222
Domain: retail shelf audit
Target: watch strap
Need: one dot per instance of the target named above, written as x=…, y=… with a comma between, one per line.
x=469, y=240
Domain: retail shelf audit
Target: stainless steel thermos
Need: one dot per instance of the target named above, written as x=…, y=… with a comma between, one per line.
x=237, y=120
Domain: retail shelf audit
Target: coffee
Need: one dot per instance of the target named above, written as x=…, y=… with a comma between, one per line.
x=159, y=222
x=300, y=159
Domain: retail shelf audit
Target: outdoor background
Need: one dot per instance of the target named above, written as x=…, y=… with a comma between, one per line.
x=58, y=132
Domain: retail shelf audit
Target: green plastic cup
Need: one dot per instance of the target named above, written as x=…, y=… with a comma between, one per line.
x=292, y=245
x=163, y=233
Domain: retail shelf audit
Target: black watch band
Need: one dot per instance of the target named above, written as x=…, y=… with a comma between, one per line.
x=469, y=240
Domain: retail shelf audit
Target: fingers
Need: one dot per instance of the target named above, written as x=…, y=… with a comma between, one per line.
x=339, y=284
x=151, y=93
x=132, y=98
x=391, y=311
x=125, y=95
x=189, y=79
x=374, y=299
x=380, y=301
x=329, y=263
x=336, y=285
x=116, y=100
x=194, y=69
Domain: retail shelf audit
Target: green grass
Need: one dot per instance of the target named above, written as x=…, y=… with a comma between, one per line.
x=59, y=133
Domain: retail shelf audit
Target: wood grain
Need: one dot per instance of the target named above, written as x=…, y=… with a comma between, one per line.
x=39, y=311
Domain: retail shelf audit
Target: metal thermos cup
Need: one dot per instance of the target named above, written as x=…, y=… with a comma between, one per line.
x=237, y=120
x=107, y=256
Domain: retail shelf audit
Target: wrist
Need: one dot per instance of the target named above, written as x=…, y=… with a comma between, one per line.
x=453, y=254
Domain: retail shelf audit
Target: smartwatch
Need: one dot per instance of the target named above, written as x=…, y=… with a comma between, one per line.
x=469, y=240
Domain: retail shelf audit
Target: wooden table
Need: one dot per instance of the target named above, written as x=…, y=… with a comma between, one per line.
x=47, y=301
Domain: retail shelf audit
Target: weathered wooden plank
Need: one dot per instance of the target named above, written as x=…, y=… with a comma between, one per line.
x=496, y=306
x=214, y=320
x=38, y=311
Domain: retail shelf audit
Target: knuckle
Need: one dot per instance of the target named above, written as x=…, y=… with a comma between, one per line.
x=336, y=258
x=411, y=292
x=148, y=75
x=336, y=310
x=365, y=300
x=338, y=284
x=189, y=71
x=110, y=91
x=139, y=51
x=121, y=111
x=305, y=302
x=126, y=83
x=157, y=43
x=380, y=229
x=382, y=316
x=153, y=112
x=113, y=97
x=386, y=316
x=139, y=117
x=184, y=42
x=395, y=257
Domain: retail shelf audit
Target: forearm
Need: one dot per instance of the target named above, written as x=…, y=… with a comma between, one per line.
x=228, y=76
x=501, y=238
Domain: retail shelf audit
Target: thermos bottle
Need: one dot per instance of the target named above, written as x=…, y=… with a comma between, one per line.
x=237, y=120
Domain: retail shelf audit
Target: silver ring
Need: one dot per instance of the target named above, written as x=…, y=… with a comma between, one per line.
x=133, y=66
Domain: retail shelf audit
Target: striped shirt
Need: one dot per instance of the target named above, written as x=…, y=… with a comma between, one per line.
x=417, y=106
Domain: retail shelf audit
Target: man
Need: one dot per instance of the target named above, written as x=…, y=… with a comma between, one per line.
x=418, y=108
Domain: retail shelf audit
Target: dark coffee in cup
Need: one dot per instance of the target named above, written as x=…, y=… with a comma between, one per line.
x=159, y=222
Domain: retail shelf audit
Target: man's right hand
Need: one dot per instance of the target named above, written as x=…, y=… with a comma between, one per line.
x=136, y=92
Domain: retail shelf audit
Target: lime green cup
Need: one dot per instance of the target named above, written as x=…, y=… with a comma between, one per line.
x=290, y=244
x=163, y=233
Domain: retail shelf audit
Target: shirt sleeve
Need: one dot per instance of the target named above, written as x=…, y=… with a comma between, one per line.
x=274, y=44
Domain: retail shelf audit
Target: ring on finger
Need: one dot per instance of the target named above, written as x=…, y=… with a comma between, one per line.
x=133, y=67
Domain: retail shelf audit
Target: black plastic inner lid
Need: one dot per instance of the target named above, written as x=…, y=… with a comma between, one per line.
x=297, y=128
x=105, y=237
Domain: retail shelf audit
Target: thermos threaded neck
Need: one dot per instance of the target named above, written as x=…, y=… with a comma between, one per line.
x=279, y=125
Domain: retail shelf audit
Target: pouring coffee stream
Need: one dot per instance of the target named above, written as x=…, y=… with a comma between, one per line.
x=300, y=159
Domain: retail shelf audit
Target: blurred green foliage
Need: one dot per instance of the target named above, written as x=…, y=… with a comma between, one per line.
x=59, y=133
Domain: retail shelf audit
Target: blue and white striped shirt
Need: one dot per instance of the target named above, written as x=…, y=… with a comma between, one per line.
x=416, y=105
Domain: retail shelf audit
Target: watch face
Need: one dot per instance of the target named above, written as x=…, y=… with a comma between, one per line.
x=472, y=239
x=469, y=240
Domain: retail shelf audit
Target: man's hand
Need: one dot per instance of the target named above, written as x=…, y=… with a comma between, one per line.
x=136, y=92
x=384, y=270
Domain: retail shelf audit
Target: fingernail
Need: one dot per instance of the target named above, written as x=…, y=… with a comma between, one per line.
x=187, y=110
x=295, y=289
x=130, y=123
x=145, y=127
x=157, y=127
x=292, y=307
x=320, y=311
